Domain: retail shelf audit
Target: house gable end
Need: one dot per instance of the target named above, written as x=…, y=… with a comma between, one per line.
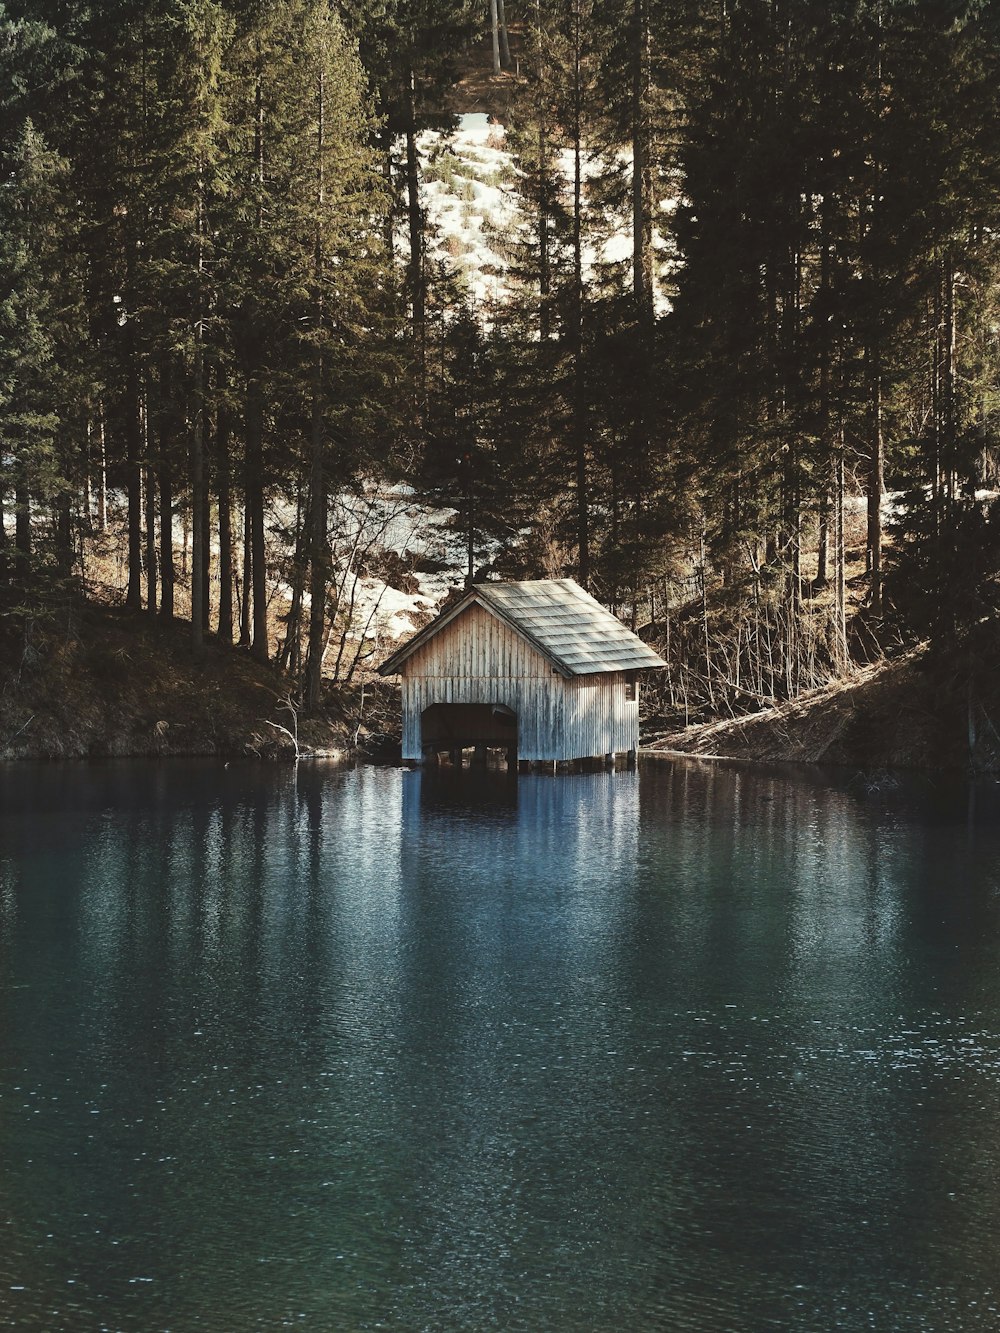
x=477, y=644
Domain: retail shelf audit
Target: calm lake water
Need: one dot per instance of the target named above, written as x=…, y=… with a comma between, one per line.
x=697, y=1048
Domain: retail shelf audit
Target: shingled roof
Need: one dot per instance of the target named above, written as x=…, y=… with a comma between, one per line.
x=564, y=623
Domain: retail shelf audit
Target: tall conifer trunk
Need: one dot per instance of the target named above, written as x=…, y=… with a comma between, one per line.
x=319, y=557
x=133, y=478
x=102, y=482
x=254, y=626
x=495, y=32
x=206, y=541
x=415, y=268
x=257, y=577
x=873, y=350
x=198, y=516
x=246, y=565
x=875, y=482
x=166, y=543
x=505, y=59
x=827, y=459
x=840, y=590
x=642, y=241
x=149, y=492
x=224, y=497
x=149, y=487
x=579, y=401
x=544, y=192
x=132, y=428
x=319, y=551
x=290, y=655
x=642, y=176
x=387, y=139
x=199, y=535
x=133, y=387
x=198, y=505
x=544, y=213
x=88, y=475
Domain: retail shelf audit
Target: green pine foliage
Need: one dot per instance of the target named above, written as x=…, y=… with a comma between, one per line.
x=218, y=312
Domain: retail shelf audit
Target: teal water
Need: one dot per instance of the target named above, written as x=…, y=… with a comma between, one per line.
x=697, y=1048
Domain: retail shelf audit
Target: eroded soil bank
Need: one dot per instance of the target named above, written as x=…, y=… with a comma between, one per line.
x=915, y=711
x=116, y=685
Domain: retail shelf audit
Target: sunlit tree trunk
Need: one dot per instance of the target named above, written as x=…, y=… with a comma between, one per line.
x=495, y=32
x=505, y=58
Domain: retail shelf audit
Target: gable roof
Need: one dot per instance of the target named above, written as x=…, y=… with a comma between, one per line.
x=559, y=619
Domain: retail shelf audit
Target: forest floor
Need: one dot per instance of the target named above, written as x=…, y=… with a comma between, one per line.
x=107, y=684
x=477, y=88
x=912, y=711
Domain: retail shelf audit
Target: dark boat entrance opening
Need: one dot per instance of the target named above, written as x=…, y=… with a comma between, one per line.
x=454, y=728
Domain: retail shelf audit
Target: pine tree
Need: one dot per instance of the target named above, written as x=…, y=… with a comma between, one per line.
x=305, y=281
x=408, y=48
x=29, y=423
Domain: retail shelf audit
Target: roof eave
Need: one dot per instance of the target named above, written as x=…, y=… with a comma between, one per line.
x=617, y=670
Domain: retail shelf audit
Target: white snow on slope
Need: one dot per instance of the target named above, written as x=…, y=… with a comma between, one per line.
x=469, y=188
x=468, y=183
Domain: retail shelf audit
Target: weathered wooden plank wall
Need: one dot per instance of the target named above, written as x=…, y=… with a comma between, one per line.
x=599, y=719
x=479, y=659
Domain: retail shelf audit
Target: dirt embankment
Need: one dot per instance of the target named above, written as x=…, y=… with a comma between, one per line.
x=109, y=684
x=914, y=711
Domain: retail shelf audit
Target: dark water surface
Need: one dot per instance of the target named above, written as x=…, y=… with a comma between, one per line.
x=697, y=1048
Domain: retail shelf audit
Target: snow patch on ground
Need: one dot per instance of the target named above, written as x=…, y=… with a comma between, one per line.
x=469, y=188
x=391, y=613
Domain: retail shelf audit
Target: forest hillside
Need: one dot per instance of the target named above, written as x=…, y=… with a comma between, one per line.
x=312, y=313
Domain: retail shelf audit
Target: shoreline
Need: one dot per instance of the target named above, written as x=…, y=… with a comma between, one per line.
x=911, y=713
x=120, y=687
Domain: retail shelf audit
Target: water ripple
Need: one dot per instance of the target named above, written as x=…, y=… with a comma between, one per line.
x=694, y=1049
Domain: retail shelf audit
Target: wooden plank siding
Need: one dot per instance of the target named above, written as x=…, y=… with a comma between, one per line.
x=479, y=659
x=598, y=717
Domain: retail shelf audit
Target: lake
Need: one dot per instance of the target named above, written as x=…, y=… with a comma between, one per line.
x=695, y=1048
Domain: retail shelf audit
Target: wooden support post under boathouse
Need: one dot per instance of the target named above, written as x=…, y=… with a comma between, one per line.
x=538, y=670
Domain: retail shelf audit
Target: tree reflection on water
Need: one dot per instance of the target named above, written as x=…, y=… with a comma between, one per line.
x=698, y=1047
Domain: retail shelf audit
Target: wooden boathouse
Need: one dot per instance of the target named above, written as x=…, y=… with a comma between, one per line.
x=538, y=669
